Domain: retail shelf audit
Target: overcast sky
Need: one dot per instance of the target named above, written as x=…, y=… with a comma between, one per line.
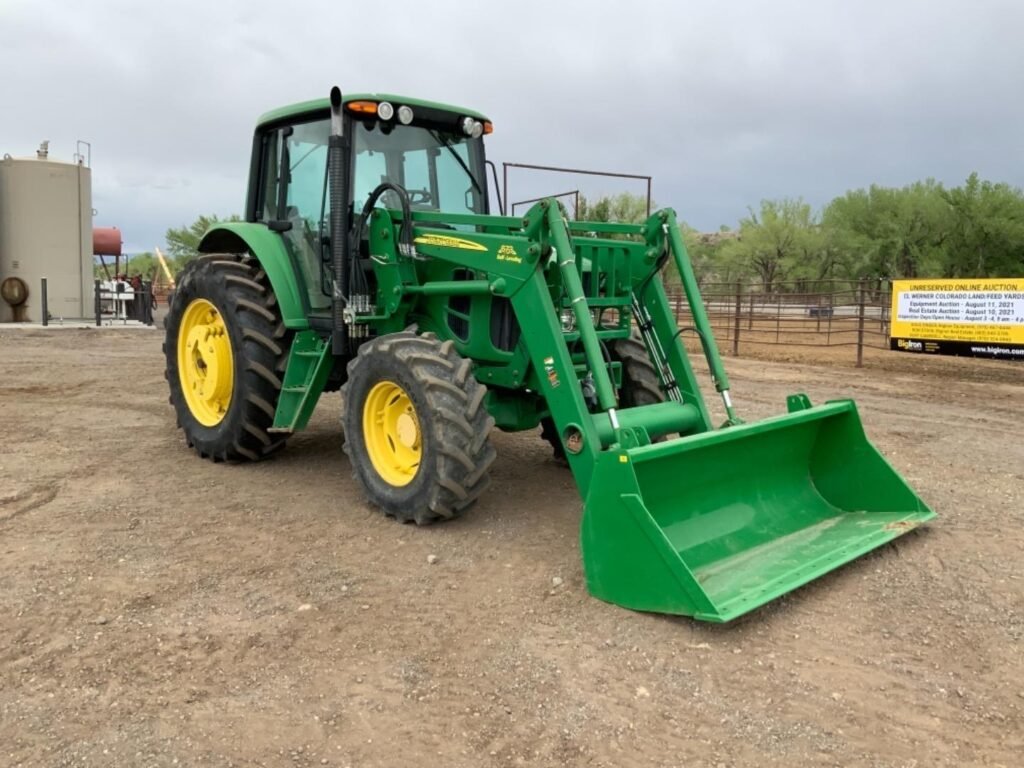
x=724, y=103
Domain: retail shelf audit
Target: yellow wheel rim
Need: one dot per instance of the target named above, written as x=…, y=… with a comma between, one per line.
x=391, y=430
x=206, y=366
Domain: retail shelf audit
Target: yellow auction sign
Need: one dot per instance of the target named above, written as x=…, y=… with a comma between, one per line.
x=977, y=318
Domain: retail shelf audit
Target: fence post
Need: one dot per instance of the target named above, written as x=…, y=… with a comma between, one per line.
x=831, y=309
x=147, y=302
x=884, y=306
x=778, y=317
x=819, y=313
x=860, y=324
x=99, y=306
x=45, y=304
x=736, y=320
x=750, y=314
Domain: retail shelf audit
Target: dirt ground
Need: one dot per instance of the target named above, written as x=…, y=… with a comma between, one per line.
x=159, y=610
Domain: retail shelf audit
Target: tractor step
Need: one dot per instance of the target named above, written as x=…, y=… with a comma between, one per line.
x=309, y=364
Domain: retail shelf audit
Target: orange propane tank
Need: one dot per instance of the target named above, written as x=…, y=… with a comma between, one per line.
x=106, y=241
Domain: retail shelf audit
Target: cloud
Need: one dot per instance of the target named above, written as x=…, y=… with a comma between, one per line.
x=724, y=104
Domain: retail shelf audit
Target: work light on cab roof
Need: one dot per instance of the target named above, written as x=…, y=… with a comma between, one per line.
x=472, y=127
x=385, y=110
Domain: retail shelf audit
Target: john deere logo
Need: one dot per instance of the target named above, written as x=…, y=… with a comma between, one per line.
x=445, y=241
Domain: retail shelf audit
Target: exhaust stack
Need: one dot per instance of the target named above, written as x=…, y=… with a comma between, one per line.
x=337, y=167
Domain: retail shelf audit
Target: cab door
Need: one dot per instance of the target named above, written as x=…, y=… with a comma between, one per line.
x=294, y=200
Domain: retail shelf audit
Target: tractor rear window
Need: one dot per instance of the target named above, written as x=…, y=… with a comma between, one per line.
x=441, y=171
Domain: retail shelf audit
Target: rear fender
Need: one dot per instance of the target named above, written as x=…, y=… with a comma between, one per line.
x=268, y=248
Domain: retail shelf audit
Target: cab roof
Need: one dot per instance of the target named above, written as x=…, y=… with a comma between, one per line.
x=324, y=105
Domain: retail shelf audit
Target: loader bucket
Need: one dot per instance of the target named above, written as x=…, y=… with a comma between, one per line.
x=719, y=523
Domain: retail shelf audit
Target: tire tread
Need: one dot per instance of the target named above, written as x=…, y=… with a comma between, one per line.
x=240, y=287
x=460, y=426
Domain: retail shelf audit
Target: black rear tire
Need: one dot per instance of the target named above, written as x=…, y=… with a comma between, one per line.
x=240, y=291
x=640, y=382
x=452, y=423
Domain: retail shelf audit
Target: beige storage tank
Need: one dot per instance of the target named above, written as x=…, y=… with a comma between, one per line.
x=46, y=231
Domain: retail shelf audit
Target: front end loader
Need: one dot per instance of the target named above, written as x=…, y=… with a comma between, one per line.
x=369, y=261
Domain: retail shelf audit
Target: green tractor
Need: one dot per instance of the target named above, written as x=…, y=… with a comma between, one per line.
x=368, y=261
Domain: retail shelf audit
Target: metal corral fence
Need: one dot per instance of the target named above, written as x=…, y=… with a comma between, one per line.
x=822, y=313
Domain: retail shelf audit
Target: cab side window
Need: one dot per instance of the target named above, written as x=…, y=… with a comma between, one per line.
x=307, y=173
x=295, y=161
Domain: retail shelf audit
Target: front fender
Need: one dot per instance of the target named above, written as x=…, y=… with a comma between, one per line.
x=269, y=250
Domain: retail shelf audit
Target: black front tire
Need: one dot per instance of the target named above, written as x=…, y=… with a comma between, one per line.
x=240, y=291
x=453, y=424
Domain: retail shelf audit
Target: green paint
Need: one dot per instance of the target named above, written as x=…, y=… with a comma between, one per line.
x=268, y=248
x=511, y=411
x=309, y=365
x=715, y=525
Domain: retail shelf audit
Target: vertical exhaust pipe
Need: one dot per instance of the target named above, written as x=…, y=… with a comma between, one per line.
x=337, y=166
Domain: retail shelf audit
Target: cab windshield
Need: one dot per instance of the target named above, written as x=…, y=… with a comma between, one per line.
x=441, y=171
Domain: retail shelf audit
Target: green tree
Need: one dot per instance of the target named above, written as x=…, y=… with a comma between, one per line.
x=625, y=208
x=919, y=230
x=705, y=250
x=986, y=230
x=772, y=241
x=890, y=232
x=143, y=264
x=183, y=242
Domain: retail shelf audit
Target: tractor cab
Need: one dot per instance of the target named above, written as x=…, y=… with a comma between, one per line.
x=433, y=152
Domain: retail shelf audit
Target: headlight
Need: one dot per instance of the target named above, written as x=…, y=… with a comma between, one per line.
x=385, y=111
x=405, y=114
x=472, y=128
